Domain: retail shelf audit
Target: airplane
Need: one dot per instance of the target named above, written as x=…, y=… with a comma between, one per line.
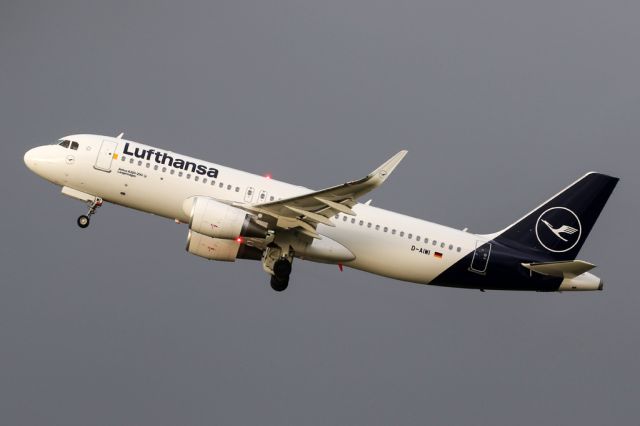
x=232, y=214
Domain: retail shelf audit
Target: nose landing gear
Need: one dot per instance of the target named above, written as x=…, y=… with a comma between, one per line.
x=84, y=220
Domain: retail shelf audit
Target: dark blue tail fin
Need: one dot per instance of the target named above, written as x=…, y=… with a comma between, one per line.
x=558, y=228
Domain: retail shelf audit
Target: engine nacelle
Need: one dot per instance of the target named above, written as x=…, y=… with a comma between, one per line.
x=218, y=220
x=220, y=249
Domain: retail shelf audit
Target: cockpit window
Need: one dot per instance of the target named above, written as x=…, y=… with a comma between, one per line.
x=64, y=144
x=74, y=145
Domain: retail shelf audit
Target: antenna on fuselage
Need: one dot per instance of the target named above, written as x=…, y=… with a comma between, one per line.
x=120, y=135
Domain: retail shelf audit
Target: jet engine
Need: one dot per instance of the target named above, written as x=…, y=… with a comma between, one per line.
x=220, y=249
x=218, y=220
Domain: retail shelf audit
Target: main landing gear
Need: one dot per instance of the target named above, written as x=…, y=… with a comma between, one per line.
x=280, y=277
x=277, y=263
x=85, y=219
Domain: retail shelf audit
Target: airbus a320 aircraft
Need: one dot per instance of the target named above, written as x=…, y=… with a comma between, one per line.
x=237, y=215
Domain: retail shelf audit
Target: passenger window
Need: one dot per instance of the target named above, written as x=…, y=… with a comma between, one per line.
x=409, y=236
x=402, y=233
x=442, y=245
x=228, y=187
x=155, y=167
x=164, y=169
x=393, y=232
x=123, y=158
x=148, y=165
x=369, y=225
x=377, y=227
x=204, y=180
x=64, y=144
x=386, y=229
x=361, y=222
x=139, y=162
x=131, y=161
x=417, y=237
x=272, y=198
x=353, y=221
x=344, y=218
x=213, y=182
x=74, y=145
x=180, y=174
x=458, y=249
x=434, y=242
x=197, y=178
x=172, y=171
x=237, y=189
x=450, y=246
x=221, y=185
x=188, y=175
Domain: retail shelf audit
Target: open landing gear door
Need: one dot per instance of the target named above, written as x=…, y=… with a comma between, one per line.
x=105, y=156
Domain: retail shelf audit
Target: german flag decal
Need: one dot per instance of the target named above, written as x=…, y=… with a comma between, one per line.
x=437, y=255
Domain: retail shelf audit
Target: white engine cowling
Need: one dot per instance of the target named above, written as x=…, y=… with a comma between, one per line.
x=220, y=249
x=218, y=220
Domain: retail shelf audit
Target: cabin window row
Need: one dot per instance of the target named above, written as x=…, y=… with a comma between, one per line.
x=393, y=231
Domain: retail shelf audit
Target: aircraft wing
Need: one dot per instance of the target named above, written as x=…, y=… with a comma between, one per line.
x=306, y=211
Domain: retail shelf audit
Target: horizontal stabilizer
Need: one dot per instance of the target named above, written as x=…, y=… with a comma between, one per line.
x=564, y=269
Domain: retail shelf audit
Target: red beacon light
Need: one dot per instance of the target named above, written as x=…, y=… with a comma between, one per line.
x=239, y=240
x=268, y=175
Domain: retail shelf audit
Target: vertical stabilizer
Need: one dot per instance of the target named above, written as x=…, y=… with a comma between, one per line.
x=558, y=227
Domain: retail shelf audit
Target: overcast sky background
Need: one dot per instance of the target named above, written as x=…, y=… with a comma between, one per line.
x=500, y=104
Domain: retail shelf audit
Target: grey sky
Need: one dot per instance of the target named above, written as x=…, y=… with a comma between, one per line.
x=500, y=104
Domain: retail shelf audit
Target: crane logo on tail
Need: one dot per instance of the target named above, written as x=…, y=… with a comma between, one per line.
x=564, y=228
x=558, y=229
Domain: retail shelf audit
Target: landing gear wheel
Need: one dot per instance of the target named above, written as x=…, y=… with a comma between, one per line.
x=279, y=285
x=282, y=269
x=83, y=221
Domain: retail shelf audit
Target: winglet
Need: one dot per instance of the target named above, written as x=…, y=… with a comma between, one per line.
x=380, y=174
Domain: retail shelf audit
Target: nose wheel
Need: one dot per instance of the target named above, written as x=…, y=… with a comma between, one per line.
x=84, y=220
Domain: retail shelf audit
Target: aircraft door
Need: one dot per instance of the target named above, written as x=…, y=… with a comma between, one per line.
x=105, y=155
x=480, y=258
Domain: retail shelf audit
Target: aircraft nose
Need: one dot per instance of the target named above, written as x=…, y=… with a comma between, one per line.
x=30, y=159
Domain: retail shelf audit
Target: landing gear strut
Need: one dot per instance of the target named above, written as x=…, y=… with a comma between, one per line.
x=84, y=220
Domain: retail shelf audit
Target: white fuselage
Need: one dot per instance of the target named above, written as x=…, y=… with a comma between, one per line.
x=383, y=242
